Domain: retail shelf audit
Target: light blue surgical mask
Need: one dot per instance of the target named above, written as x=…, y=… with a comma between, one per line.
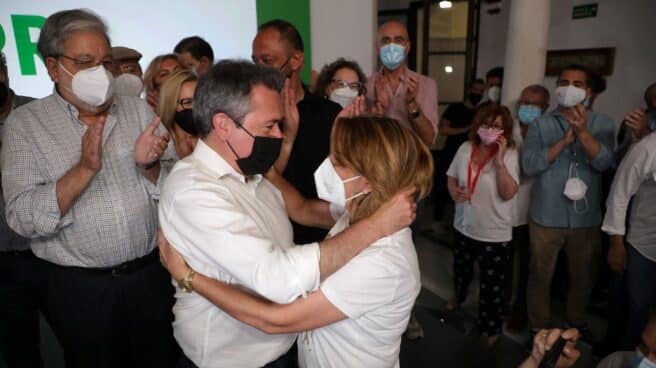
x=392, y=55
x=640, y=361
x=528, y=113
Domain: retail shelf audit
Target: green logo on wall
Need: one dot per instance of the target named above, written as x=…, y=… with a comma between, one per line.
x=25, y=48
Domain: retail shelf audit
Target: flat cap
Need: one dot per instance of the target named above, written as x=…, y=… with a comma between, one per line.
x=125, y=53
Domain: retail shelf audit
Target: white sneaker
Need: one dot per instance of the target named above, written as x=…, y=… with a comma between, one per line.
x=414, y=330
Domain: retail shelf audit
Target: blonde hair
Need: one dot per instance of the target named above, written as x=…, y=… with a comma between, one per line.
x=389, y=155
x=153, y=67
x=168, y=97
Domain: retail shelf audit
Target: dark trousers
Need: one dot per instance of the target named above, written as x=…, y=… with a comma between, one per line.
x=640, y=274
x=119, y=318
x=520, y=248
x=495, y=269
x=287, y=360
x=22, y=292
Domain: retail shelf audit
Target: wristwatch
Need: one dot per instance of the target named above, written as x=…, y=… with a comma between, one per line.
x=185, y=283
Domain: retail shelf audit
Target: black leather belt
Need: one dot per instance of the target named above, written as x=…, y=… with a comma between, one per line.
x=123, y=268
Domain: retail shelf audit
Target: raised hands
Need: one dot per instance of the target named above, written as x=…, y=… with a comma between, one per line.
x=577, y=117
x=396, y=213
x=149, y=146
x=354, y=109
x=91, y=158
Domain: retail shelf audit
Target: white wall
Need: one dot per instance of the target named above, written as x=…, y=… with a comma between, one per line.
x=627, y=25
x=343, y=28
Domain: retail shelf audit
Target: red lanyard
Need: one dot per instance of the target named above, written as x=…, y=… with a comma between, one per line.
x=471, y=185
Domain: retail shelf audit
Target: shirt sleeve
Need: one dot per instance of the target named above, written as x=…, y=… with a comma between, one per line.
x=452, y=171
x=636, y=167
x=31, y=209
x=534, y=156
x=427, y=101
x=217, y=239
x=605, y=135
x=363, y=284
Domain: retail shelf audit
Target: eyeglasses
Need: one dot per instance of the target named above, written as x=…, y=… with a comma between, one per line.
x=491, y=126
x=356, y=86
x=186, y=103
x=82, y=64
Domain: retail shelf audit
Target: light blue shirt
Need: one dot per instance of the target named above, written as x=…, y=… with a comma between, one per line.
x=549, y=207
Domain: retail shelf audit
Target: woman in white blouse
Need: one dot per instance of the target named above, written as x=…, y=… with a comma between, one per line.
x=358, y=314
x=482, y=180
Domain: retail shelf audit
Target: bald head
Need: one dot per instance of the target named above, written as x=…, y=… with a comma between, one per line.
x=393, y=31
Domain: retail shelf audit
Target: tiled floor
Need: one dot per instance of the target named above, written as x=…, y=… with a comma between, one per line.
x=450, y=339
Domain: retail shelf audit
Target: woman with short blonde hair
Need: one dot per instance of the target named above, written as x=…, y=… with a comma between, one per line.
x=175, y=110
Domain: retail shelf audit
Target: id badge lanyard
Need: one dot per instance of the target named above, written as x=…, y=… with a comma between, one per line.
x=471, y=184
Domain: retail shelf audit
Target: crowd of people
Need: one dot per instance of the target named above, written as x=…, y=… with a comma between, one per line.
x=285, y=213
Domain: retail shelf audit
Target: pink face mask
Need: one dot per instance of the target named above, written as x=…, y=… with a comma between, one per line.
x=489, y=135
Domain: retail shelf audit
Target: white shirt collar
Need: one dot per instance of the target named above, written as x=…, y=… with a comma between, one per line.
x=217, y=165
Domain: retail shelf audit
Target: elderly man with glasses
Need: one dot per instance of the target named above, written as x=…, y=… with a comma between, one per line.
x=80, y=171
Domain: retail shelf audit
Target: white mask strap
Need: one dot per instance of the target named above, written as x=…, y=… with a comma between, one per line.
x=351, y=179
x=355, y=196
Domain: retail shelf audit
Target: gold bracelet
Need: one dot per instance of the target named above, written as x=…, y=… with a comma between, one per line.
x=185, y=283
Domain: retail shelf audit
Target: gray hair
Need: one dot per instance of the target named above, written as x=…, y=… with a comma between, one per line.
x=227, y=89
x=59, y=27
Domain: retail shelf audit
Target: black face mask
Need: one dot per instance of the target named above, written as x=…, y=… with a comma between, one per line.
x=474, y=98
x=185, y=120
x=4, y=93
x=265, y=152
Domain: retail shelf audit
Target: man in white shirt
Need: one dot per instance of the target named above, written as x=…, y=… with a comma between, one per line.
x=635, y=178
x=230, y=224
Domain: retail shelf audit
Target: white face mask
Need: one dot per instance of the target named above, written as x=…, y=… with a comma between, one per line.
x=575, y=189
x=494, y=93
x=330, y=187
x=569, y=96
x=93, y=86
x=343, y=96
x=128, y=84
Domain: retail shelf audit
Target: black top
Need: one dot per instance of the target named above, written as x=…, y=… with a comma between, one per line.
x=311, y=147
x=460, y=116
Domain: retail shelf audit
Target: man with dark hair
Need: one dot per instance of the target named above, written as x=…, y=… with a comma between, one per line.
x=455, y=123
x=195, y=53
x=566, y=151
x=230, y=223
x=493, y=85
x=278, y=44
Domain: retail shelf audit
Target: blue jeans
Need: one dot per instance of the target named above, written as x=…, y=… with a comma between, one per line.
x=640, y=273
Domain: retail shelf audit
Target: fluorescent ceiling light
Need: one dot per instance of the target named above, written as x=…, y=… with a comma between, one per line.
x=445, y=4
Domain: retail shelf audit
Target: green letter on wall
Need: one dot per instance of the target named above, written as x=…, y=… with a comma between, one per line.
x=2, y=38
x=25, y=47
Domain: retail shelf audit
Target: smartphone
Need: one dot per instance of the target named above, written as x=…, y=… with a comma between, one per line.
x=551, y=357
